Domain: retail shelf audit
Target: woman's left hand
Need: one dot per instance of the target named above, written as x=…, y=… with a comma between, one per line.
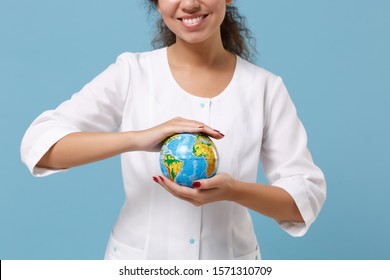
x=204, y=191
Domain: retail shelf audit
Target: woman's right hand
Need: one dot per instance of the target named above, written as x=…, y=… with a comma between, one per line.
x=152, y=139
x=85, y=147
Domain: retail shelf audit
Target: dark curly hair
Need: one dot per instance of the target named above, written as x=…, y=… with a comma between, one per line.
x=236, y=37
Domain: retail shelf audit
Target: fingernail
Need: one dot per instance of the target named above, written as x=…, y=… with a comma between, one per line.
x=162, y=179
x=155, y=179
x=219, y=132
x=196, y=185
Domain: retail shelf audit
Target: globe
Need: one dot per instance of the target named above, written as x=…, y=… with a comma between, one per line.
x=187, y=157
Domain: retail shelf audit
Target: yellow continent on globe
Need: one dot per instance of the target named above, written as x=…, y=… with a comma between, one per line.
x=204, y=149
x=173, y=165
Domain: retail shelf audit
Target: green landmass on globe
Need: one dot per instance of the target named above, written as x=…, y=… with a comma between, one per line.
x=187, y=157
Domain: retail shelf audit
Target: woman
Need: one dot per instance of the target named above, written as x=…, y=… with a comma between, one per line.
x=196, y=83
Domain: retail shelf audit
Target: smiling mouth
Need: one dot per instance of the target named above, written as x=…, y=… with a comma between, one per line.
x=193, y=21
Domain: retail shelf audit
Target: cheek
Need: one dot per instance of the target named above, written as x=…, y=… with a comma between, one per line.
x=168, y=4
x=167, y=7
x=219, y=10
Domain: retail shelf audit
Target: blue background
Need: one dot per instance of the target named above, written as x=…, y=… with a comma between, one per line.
x=333, y=56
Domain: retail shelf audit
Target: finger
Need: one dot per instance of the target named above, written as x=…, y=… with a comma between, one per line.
x=210, y=183
x=193, y=196
x=202, y=185
x=185, y=125
x=190, y=128
x=162, y=181
x=214, y=133
x=177, y=190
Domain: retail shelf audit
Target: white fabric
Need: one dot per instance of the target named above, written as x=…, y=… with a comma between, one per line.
x=254, y=112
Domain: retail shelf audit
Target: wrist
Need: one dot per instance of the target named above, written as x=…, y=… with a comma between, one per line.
x=127, y=141
x=142, y=140
x=234, y=193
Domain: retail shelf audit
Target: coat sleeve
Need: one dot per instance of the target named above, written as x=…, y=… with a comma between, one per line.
x=286, y=160
x=97, y=107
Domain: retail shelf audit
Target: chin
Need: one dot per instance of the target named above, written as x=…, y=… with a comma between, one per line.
x=192, y=39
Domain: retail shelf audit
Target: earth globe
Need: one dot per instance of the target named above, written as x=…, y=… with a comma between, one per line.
x=187, y=157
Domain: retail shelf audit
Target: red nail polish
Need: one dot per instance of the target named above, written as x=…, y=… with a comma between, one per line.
x=196, y=185
x=219, y=132
x=162, y=179
x=155, y=179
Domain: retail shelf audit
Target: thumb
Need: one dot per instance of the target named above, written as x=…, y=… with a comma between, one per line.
x=205, y=184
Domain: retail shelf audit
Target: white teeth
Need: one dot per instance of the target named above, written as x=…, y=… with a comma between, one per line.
x=192, y=21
